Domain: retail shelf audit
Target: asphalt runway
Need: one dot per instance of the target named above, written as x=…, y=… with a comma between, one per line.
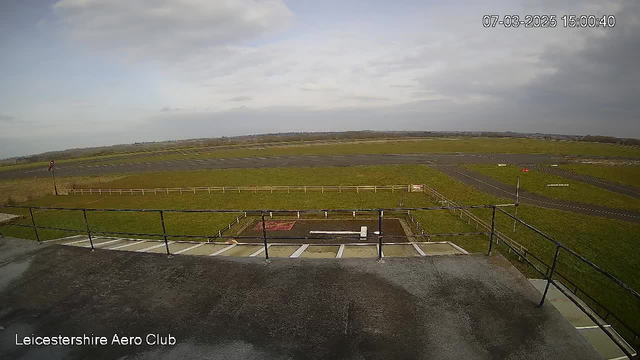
x=498, y=188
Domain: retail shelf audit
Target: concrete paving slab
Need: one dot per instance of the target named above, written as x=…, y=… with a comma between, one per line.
x=602, y=343
x=438, y=249
x=206, y=249
x=399, y=251
x=141, y=245
x=243, y=250
x=173, y=248
x=282, y=250
x=117, y=244
x=360, y=251
x=321, y=251
x=4, y=217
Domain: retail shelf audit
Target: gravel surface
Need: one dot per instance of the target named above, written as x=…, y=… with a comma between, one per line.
x=439, y=307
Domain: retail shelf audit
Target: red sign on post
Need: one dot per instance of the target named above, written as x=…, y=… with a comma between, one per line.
x=525, y=170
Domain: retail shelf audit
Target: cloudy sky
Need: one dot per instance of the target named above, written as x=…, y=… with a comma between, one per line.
x=77, y=73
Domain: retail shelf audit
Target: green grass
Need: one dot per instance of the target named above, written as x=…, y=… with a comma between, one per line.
x=355, y=175
x=536, y=182
x=611, y=244
x=628, y=175
x=473, y=145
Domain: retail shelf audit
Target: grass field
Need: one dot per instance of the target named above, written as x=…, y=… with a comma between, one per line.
x=536, y=182
x=378, y=146
x=20, y=190
x=628, y=175
x=611, y=244
x=475, y=145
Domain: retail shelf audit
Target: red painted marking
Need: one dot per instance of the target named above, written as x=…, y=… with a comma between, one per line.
x=525, y=170
x=274, y=225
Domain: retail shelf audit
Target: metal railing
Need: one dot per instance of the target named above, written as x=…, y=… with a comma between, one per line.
x=253, y=189
x=494, y=236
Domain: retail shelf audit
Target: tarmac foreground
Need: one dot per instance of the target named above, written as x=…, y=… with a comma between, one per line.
x=433, y=307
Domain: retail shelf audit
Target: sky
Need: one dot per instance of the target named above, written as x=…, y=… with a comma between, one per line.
x=80, y=73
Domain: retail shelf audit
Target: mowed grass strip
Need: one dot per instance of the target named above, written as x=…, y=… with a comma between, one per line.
x=628, y=175
x=536, y=182
x=436, y=145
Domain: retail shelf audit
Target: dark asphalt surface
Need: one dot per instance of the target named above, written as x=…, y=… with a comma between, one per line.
x=498, y=188
x=440, y=307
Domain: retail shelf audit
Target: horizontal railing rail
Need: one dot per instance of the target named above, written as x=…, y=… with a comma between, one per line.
x=254, y=189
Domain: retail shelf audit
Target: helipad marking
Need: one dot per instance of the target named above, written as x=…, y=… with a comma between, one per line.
x=154, y=247
x=223, y=250
x=340, y=251
x=189, y=248
x=299, y=252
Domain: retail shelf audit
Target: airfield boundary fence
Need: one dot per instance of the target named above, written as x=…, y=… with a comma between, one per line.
x=253, y=189
x=547, y=271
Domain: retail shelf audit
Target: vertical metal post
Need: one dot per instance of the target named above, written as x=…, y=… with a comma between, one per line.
x=379, y=235
x=553, y=269
x=493, y=229
x=517, y=203
x=55, y=187
x=264, y=236
x=86, y=223
x=33, y=222
x=164, y=232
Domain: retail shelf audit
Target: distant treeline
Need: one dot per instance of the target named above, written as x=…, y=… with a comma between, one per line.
x=123, y=149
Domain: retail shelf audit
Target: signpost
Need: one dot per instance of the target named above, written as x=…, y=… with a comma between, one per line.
x=52, y=166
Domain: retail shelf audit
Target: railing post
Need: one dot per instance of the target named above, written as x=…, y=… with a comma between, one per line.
x=553, y=269
x=264, y=236
x=493, y=229
x=86, y=223
x=379, y=235
x=164, y=232
x=33, y=222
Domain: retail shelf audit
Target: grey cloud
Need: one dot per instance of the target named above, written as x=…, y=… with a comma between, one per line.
x=7, y=118
x=240, y=98
x=168, y=28
x=367, y=98
x=166, y=108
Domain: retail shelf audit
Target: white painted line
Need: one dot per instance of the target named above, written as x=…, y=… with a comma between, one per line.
x=592, y=327
x=126, y=245
x=79, y=241
x=154, y=247
x=64, y=238
x=299, y=252
x=340, y=252
x=103, y=243
x=189, y=248
x=415, y=246
x=458, y=247
x=619, y=358
x=223, y=250
x=259, y=251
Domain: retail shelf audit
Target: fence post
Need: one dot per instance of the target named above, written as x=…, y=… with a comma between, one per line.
x=33, y=222
x=379, y=235
x=553, y=269
x=264, y=236
x=493, y=229
x=86, y=223
x=164, y=232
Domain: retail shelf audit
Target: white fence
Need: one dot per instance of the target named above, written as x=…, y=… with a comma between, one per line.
x=253, y=189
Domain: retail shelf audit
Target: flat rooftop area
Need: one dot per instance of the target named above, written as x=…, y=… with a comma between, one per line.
x=430, y=307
